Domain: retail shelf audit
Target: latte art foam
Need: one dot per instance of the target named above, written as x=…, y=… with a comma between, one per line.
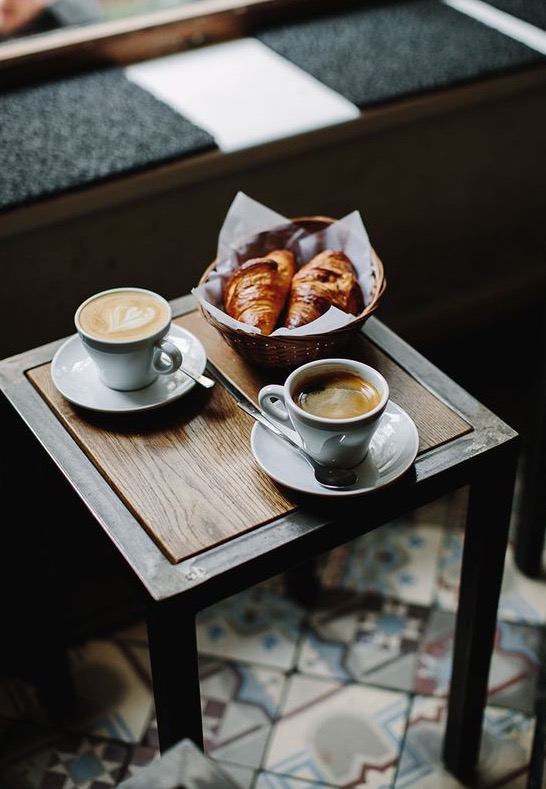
x=123, y=318
x=124, y=315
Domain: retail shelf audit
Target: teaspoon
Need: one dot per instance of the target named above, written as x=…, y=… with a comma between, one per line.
x=200, y=379
x=327, y=476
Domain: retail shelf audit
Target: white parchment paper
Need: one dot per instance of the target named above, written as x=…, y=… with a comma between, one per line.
x=251, y=230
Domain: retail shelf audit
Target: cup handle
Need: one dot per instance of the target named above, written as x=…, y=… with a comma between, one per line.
x=167, y=357
x=271, y=400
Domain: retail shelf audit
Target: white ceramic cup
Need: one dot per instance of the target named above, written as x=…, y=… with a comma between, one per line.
x=333, y=404
x=125, y=332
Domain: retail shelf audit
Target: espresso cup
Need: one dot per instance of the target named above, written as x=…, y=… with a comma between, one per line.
x=333, y=404
x=124, y=331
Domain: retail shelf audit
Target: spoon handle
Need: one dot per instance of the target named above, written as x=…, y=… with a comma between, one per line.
x=329, y=477
x=200, y=379
x=263, y=420
x=248, y=407
x=335, y=478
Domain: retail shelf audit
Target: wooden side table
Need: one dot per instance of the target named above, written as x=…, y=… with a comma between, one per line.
x=179, y=494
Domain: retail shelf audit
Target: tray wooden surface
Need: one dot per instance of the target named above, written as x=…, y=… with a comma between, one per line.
x=186, y=471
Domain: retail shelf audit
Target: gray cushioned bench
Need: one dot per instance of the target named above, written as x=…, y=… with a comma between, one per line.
x=104, y=126
x=101, y=184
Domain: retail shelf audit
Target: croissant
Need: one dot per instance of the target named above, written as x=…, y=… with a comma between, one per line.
x=328, y=279
x=286, y=266
x=257, y=290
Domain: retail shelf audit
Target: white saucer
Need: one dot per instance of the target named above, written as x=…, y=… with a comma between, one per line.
x=392, y=451
x=76, y=377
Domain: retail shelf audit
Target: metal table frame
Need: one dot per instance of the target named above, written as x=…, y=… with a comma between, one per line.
x=484, y=459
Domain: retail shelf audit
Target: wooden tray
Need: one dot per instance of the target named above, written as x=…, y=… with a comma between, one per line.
x=186, y=470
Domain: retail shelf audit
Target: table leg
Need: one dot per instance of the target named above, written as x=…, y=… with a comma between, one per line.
x=33, y=586
x=485, y=544
x=175, y=673
x=531, y=524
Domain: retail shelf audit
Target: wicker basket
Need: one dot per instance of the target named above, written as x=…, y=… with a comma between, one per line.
x=288, y=352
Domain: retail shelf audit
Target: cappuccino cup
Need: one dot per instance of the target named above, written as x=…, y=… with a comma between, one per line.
x=125, y=332
x=333, y=404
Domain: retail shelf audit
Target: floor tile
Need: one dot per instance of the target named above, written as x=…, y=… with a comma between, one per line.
x=504, y=754
x=342, y=735
x=514, y=665
x=259, y=626
x=113, y=689
x=85, y=763
x=449, y=569
x=141, y=756
x=298, y=698
x=244, y=777
x=522, y=599
x=398, y=560
x=271, y=781
x=368, y=639
x=239, y=704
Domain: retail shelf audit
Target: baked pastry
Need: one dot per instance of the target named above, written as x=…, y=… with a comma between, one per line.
x=257, y=290
x=328, y=279
x=286, y=266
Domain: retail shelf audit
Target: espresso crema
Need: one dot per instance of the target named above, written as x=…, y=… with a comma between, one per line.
x=337, y=395
x=124, y=315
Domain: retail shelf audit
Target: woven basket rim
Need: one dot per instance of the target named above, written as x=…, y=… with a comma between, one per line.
x=379, y=288
x=264, y=348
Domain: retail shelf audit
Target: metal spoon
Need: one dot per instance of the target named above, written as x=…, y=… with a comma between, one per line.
x=200, y=379
x=327, y=476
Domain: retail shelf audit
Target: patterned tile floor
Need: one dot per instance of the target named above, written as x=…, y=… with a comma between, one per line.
x=349, y=694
